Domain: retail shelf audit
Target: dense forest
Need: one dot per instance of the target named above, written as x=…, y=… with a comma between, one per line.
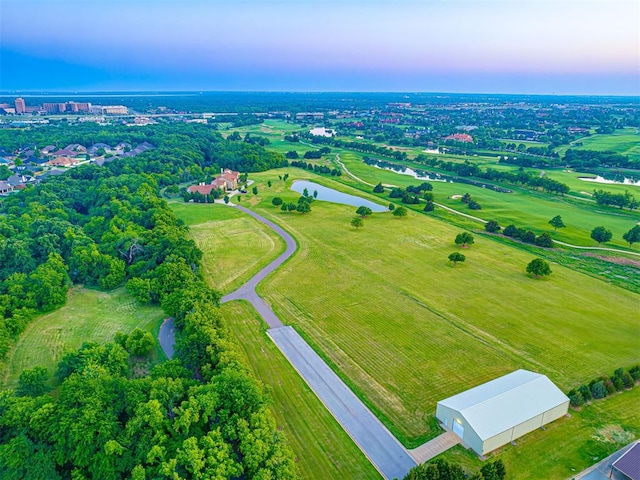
x=200, y=415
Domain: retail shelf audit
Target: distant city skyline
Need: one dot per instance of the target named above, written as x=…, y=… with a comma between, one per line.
x=509, y=46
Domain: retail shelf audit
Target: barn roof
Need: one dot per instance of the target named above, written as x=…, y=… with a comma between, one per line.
x=629, y=462
x=503, y=403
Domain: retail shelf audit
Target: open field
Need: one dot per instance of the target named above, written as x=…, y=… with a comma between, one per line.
x=406, y=329
x=568, y=445
x=235, y=246
x=320, y=444
x=524, y=208
x=88, y=316
x=626, y=142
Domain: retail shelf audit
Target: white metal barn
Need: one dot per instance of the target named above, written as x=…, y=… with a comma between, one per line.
x=497, y=412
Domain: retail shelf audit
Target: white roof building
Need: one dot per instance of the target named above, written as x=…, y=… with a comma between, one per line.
x=497, y=412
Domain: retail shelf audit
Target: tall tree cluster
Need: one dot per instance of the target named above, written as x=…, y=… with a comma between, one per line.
x=200, y=415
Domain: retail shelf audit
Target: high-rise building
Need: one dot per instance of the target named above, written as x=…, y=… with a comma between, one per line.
x=21, y=107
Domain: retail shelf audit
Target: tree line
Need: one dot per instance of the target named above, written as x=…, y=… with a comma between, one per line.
x=200, y=415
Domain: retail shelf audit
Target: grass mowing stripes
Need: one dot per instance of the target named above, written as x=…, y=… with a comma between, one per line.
x=88, y=316
x=322, y=447
x=234, y=245
x=409, y=329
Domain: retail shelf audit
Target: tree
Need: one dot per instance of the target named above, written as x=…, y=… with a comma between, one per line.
x=601, y=234
x=400, y=212
x=473, y=205
x=269, y=183
x=556, y=222
x=357, y=222
x=538, y=268
x=392, y=207
x=378, y=188
x=276, y=202
x=139, y=342
x=429, y=207
x=633, y=235
x=33, y=382
x=255, y=190
x=464, y=239
x=315, y=194
x=456, y=257
x=544, y=240
x=303, y=207
x=226, y=199
x=363, y=211
x=492, y=226
x=466, y=198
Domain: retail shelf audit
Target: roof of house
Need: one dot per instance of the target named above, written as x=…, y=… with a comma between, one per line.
x=505, y=402
x=202, y=189
x=5, y=185
x=629, y=462
x=63, y=152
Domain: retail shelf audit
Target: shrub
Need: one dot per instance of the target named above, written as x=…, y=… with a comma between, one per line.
x=429, y=207
x=608, y=384
x=585, y=391
x=492, y=226
x=528, y=237
x=544, y=240
x=510, y=230
x=635, y=372
x=575, y=398
x=378, y=188
x=598, y=390
x=473, y=205
x=627, y=380
x=617, y=382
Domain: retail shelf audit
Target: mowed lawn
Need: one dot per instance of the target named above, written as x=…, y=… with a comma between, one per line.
x=88, y=316
x=407, y=329
x=568, y=445
x=525, y=209
x=322, y=447
x=235, y=246
x=626, y=142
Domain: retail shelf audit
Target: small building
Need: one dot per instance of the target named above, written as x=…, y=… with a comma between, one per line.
x=459, y=137
x=627, y=467
x=202, y=188
x=5, y=188
x=502, y=410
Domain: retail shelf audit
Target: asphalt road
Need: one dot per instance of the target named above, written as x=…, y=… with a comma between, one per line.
x=383, y=450
x=378, y=444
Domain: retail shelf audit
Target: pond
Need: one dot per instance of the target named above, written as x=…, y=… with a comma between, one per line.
x=619, y=180
x=330, y=195
x=412, y=173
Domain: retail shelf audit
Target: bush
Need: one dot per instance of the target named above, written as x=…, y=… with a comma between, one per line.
x=277, y=201
x=139, y=342
x=575, y=398
x=635, y=372
x=378, y=188
x=429, y=207
x=473, y=205
x=544, y=240
x=585, y=391
x=598, y=390
x=608, y=384
x=627, y=380
x=528, y=237
x=510, y=231
x=492, y=226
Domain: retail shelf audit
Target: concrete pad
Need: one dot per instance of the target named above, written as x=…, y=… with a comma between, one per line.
x=434, y=447
x=383, y=450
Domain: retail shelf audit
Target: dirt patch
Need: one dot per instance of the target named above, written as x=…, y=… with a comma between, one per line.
x=456, y=197
x=627, y=262
x=613, y=434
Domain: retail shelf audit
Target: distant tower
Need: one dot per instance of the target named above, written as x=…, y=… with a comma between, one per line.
x=21, y=107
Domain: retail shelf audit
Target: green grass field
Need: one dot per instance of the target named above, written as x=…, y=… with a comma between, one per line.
x=406, y=329
x=626, y=142
x=568, y=445
x=88, y=316
x=524, y=208
x=235, y=246
x=322, y=447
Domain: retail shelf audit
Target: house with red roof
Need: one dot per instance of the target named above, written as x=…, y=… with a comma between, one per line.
x=459, y=137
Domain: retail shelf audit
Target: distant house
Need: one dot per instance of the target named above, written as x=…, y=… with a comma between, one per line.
x=502, y=410
x=76, y=147
x=459, y=137
x=63, y=162
x=627, y=467
x=5, y=188
x=93, y=149
x=63, y=152
x=227, y=180
x=48, y=149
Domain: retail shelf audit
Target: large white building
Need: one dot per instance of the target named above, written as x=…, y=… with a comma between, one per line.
x=497, y=412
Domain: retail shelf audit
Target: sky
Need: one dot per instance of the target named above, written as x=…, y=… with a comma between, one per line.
x=509, y=46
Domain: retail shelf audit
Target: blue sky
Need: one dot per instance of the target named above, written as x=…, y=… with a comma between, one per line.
x=508, y=46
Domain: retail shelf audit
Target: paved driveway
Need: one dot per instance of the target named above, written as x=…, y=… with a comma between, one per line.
x=377, y=443
x=434, y=447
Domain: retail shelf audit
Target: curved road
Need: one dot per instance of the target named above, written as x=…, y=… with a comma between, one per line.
x=382, y=449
